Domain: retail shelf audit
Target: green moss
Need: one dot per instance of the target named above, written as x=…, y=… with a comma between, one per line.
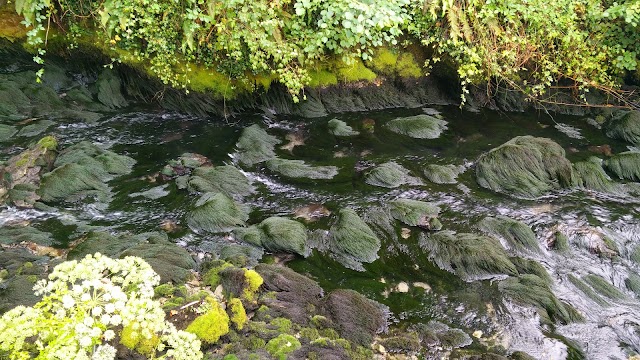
x=283, y=325
x=320, y=322
x=413, y=212
x=602, y=287
x=212, y=276
x=322, y=78
x=103, y=163
x=530, y=266
x=282, y=345
x=353, y=71
x=383, y=61
x=406, y=342
x=255, y=145
x=625, y=165
x=36, y=128
x=408, y=67
x=625, y=127
x=225, y=179
x=418, y=127
x=70, y=180
x=4, y=273
x=340, y=128
x=238, y=314
x=442, y=174
x=7, y=131
x=632, y=283
x=591, y=175
x=587, y=290
x=253, y=342
x=230, y=357
x=206, y=80
x=164, y=290
x=517, y=235
x=277, y=234
x=561, y=243
x=352, y=239
x=110, y=90
x=210, y=326
x=253, y=281
x=216, y=212
x=299, y=169
x=310, y=334
x=389, y=175
x=48, y=143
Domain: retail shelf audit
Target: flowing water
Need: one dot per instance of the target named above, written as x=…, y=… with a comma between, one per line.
x=611, y=329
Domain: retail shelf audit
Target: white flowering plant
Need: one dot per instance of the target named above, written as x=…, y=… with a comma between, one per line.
x=84, y=308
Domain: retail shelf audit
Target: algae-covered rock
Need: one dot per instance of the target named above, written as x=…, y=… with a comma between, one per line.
x=436, y=335
x=184, y=165
x=7, y=131
x=525, y=167
x=414, y=212
x=225, y=179
x=340, y=128
x=280, y=346
x=591, y=175
x=298, y=169
x=216, y=212
x=533, y=291
x=71, y=182
x=255, y=146
x=18, y=234
x=587, y=290
x=625, y=127
x=625, y=165
x=390, y=175
x=517, y=235
x=36, y=128
x=352, y=241
x=419, y=126
x=443, y=174
x=633, y=283
x=103, y=163
x=355, y=317
x=602, y=287
x=110, y=90
x=277, y=234
x=469, y=256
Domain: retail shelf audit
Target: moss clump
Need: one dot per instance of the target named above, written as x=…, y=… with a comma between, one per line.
x=298, y=169
x=408, y=67
x=252, y=281
x=390, y=175
x=587, y=290
x=625, y=127
x=283, y=325
x=528, y=266
x=164, y=290
x=591, y=175
x=403, y=343
x=517, y=235
x=48, y=143
x=210, y=326
x=469, y=256
x=216, y=212
x=225, y=179
x=439, y=334
x=602, y=287
x=442, y=174
x=384, y=61
x=418, y=127
x=321, y=78
x=134, y=340
x=531, y=290
x=70, y=182
x=255, y=146
x=212, y=276
x=340, y=128
x=104, y=163
x=525, y=167
x=352, y=240
x=238, y=314
x=355, y=70
x=282, y=345
x=625, y=165
x=277, y=234
x=413, y=212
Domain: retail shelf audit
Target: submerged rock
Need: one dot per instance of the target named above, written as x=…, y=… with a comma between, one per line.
x=255, y=146
x=102, y=163
x=517, y=235
x=110, y=90
x=216, y=212
x=184, y=165
x=278, y=235
x=625, y=126
x=625, y=165
x=436, y=335
x=311, y=212
x=443, y=174
x=418, y=127
x=416, y=213
x=525, y=167
x=298, y=169
x=470, y=256
x=591, y=175
x=340, y=128
x=225, y=179
x=352, y=241
x=390, y=175
x=71, y=182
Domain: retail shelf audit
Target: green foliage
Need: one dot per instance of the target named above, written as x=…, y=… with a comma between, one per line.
x=282, y=345
x=238, y=314
x=210, y=326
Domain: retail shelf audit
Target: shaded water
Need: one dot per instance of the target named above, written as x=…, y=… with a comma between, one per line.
x=611, y=329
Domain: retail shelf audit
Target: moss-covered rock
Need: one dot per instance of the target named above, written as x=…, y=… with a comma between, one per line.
x=352, y=241
x=7, y=131
x=282, y=345
x=216, y=212
x=255, y=146
x=110, y=90
x=71, y=182
x=469, y=256
x=355, y=317
x=633, y=283
x=390, y=175
x=18, y=234
x=443, y=174
x=435, y=334
x=602, y=287
x=418, y=127
x=238, y=314
x=531, y=290
x=336, y=127
x=517, y=235
x=401, y=342
x=225, y=179
x=590, y=175
x=414, y=212
x=210, y=326
x=587, y=290
x=625, y=126
x=103, y=163
x=36, y=128
x=525, y=167
x=625, y=165
x=278, y=235
x=299, y=169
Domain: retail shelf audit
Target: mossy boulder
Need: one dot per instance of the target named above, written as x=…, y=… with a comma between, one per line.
x=280, y=346
x=469, y=256
x=517, y=235
x=390, y=175
x=299, y=169
x=277, y=234
x=224, y=179
x=590, y=175
x=355, y=317
x=109, y=89
x=338, y=128
x=625, y=165
x=255, y=146
x=216, y=212
x=210, y=326
x=414, y=212
x=525, y=167
x=443, y=174
x=352, y=241
x=418, y=127
x=625, y=126
x=533, y=291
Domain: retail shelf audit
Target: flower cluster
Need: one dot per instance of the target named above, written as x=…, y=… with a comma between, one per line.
x=85, y=304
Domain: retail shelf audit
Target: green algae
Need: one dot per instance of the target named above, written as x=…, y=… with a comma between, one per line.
x=36, y=128
x=442, y=174
x=625, y=165
x=625, y=127
x=225, y=179
x=276, y=234
x=7, y=131
x=340, y=128
x=18, y=234
x=591, y=175
x=352, y=241
x=299, y=169
x=602, y=287
x=517, y=235
x=70, y=182
x=110, y=90
x=255, y=146
x=587, y=290
x=389, y=175
x=633, y=283
x=216, y=212
x=413, y=212
x=103, y=163
x=418, y=127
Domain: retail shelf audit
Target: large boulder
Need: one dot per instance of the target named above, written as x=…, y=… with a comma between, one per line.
x=525, y=167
